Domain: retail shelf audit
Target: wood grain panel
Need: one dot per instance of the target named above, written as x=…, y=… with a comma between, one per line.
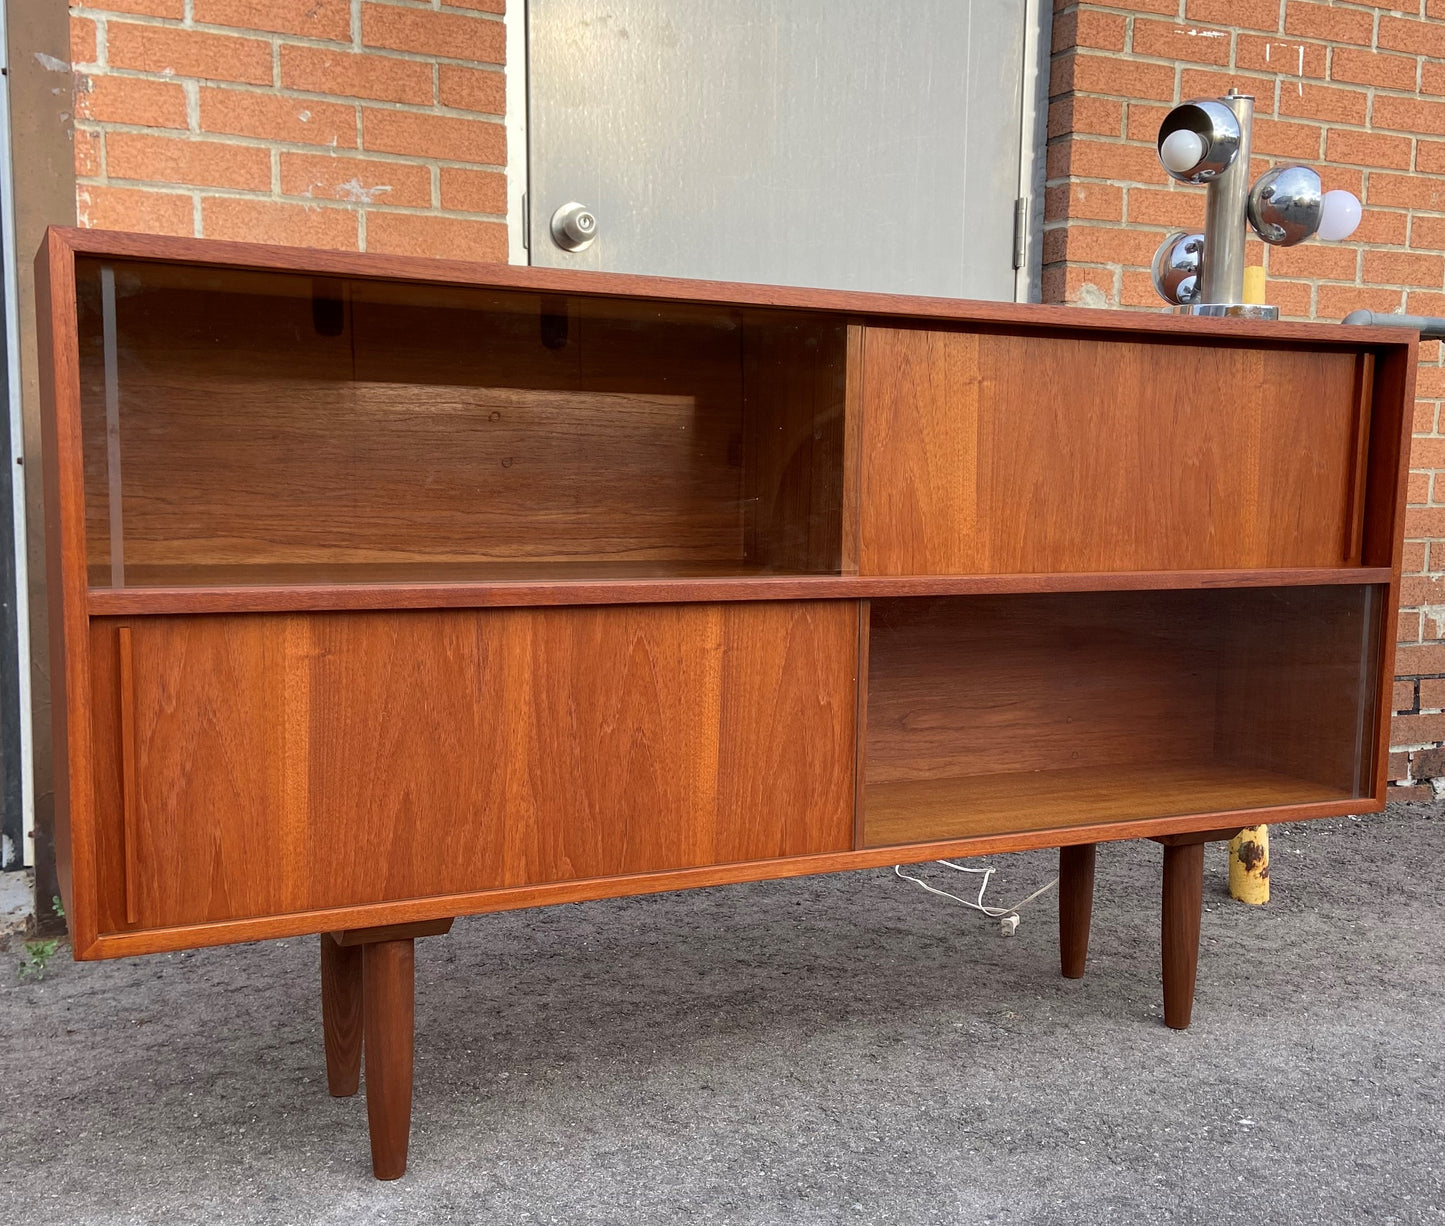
x=427, y=334
x=990, y=453
x=325, y=761
x=918, y=492
x=231, y=472
x=209, y=750
x=129, y=773
x=1009, y=684
x=788, y=719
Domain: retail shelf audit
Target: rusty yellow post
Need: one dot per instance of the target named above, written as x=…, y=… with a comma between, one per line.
x=1254, y=284
x=1249, y=865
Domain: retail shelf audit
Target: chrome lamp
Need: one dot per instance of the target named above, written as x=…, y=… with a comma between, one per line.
x=1206, y=143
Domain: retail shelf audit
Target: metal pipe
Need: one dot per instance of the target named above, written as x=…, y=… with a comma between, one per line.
x=1430, y=327
x=1222, y=275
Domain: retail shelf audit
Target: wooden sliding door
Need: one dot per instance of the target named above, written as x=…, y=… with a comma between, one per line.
x=265, y=764
x=985, y=453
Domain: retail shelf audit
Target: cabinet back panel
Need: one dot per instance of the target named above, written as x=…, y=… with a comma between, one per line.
x=995, y=454
x=256, y=471
x=319, y=760
x=976, y=685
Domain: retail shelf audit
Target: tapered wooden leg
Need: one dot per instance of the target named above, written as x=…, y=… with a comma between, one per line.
x=1076, y=907
x=388, y=1007
x=1179, y=929
x=341, y=1014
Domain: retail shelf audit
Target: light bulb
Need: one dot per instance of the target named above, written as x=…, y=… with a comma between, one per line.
x=1339, y=217
x=1181, y=150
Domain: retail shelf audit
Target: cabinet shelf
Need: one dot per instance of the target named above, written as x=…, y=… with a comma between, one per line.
x=932, y=810
x=271, y=589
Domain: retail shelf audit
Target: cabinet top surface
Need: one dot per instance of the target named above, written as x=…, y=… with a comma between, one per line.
x=1026, y=316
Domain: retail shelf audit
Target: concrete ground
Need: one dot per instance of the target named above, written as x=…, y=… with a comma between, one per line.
x=839, y=1049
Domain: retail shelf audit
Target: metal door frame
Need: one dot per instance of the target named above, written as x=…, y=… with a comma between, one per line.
x=519, y=154
x=17, y=774
x=1033, y=142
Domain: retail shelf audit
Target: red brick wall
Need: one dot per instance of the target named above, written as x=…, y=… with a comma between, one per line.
x=1355, y=89
x=368, y=126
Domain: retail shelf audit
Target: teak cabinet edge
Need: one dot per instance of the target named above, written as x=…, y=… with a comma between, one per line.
x=897, y=308
x=67, y=620
x=1384, y=541
x=486, y=902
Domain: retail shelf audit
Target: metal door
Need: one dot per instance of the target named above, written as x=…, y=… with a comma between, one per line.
x=841, y=143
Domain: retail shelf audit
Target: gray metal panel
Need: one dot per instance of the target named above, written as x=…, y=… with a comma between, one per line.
x=854, y=144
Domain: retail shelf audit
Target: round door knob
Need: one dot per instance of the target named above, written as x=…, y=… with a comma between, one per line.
x=574, y=226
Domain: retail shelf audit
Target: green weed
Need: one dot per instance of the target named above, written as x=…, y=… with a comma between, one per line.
x=36, y=959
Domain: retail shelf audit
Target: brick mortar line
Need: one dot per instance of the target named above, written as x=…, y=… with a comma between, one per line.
x=1135, y=56
x=1405, y=211
x=434, y=110
x=1312, y=282
x=1358, y=282
x=1274, y=79
x=327, y=151
x=1156, y=227
x=1308, y=121
x=1162, y=228
x=277, y=38
x=271, y=91
x=98, y=66
x=1056, y=222
x=1343, y=6
x=283, y=146
x=1163, y=183
x=1320, y=282
x=188, y=22
x=267, y=196
x=1325, y=127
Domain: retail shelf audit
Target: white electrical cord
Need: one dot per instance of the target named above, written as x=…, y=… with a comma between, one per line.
x=1008, y=916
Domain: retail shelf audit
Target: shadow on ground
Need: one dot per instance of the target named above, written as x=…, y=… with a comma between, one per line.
x=834, y=1049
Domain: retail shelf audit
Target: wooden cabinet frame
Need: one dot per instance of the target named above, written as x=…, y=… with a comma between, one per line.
x=983, y=450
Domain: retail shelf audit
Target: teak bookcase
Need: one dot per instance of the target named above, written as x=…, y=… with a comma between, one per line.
x=388, y=590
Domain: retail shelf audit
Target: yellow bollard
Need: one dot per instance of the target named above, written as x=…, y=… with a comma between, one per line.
x=1249, y=865
x=1254, y=285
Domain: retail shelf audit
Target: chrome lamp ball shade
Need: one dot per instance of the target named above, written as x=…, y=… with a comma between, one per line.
x=1206, y=143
